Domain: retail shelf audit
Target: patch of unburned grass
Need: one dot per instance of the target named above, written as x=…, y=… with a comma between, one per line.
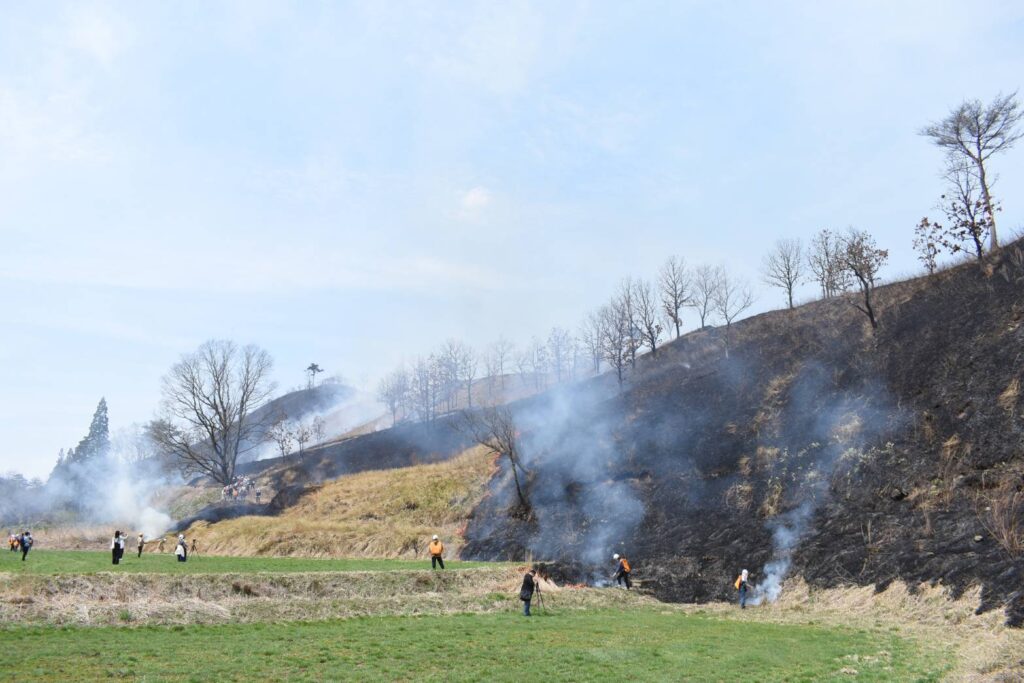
x=387, y=513
x=636, y=644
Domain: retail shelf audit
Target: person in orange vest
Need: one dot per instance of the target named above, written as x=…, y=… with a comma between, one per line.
x=622, y=570
x=436, y=549
x=742, y=587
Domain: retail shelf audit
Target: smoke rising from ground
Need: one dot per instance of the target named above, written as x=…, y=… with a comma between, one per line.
x=106, y=489
x=841, y=425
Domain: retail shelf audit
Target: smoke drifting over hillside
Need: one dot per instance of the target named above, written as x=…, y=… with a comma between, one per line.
x=607, y=468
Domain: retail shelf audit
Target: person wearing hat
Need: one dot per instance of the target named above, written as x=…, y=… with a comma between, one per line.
x=182, y=549
x=526, y=592
x=622, y=570
x=436, y=550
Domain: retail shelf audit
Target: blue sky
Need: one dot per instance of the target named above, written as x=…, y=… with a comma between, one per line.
x=351, y=183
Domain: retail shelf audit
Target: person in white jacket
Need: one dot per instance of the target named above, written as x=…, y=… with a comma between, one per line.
x=117, y=547
x=182, y=549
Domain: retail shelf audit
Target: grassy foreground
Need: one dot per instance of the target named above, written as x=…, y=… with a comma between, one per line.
x=87, y=562
x=638, y=644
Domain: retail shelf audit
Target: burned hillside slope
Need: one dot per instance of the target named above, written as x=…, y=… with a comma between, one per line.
x=814, y=447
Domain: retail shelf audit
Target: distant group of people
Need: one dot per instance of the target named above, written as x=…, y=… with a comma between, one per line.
x=239, y=489
x=22, y=542
x=181, y=549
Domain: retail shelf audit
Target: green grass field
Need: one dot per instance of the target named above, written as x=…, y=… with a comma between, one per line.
x=584, y=635
x=87, y=562
x=638, y=644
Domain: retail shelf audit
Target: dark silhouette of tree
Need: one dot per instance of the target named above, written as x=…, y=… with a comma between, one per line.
x=208, y=400
x=864, y=260
x=312, y=371
x=495, y=429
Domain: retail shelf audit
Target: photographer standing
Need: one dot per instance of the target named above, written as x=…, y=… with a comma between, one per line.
x=526, y=592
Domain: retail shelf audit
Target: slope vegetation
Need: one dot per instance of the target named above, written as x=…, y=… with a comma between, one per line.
x=377, y=513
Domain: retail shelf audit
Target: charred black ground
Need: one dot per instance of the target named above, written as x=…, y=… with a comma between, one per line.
x=877, y=453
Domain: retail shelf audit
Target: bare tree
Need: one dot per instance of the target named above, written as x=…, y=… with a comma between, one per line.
x=524, y=365
x=559, y=350
x=303, y=434
x=448, y=367
x=283, y=436
x=732, y=297
x=825, y=259
x=495, y=429
x=491, y=372
x=319, y=430
x=467, y=369
x=864, y=259
x=538, y=359
x=974, y=133
x=705, y=287
x=423, y=388
x=615, y=341
x=501, y=353
x=646, y=307
x=784, y=266
x=623, y=302
x=208, y=400
x=967, y=219
x=392, y=391
x=590, y=336
x=674, y=286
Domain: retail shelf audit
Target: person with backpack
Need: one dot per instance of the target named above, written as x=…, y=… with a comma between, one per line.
x=526, y=592
x=436, y=550
x=742, y=586
x=622, y=571
x=26, y=542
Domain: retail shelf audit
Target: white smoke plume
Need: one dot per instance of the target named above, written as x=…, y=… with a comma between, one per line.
x=787, y=532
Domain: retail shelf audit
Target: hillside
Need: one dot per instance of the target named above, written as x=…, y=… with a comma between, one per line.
x=814, y=447
x=811, y=448
x=381, y=513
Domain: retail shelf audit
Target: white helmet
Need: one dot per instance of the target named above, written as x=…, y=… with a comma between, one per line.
x=615, y=556
x=435, y=537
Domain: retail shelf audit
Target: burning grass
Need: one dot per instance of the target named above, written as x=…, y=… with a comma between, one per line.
x=386, y=513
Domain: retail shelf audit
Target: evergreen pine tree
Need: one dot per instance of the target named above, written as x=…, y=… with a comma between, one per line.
x=97, y=442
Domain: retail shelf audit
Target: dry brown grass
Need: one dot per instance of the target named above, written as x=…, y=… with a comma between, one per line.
x=772, y=503
x=387, y=513
x=740, y=496
x=140, y=599
x=1008, y=399
x=1001, y=511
